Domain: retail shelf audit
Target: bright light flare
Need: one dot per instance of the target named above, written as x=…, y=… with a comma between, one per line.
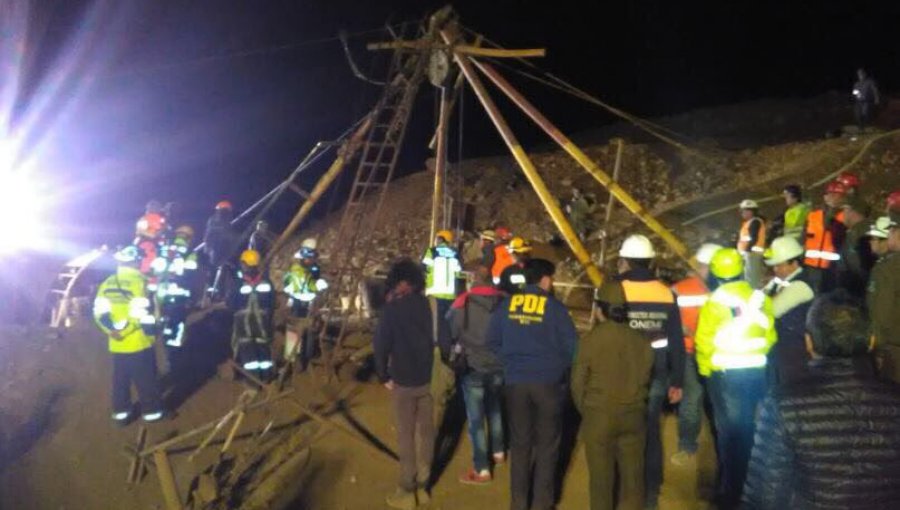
x=20, y=213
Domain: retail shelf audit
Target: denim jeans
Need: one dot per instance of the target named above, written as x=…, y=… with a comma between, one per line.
x=482, y=394
x=735, y=397
x=690, y=410
x=653, y=461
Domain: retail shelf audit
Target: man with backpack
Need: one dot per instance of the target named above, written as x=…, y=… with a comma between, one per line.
x=481, y=374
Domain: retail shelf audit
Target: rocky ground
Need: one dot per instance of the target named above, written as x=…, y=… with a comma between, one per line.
x=58, y=449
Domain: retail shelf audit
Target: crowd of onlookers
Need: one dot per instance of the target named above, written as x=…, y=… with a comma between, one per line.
x=788, y=338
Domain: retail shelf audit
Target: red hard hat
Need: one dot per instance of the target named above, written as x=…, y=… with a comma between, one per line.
x=836, y=187
x=893, y=201
x=503, y=233
x=848, y=179
x=224, y=204
x=151, y=224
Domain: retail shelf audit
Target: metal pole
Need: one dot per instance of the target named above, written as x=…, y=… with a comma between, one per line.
x=440, y=164
x=582, y=159
x=345, y=153
x=611, y=202
x=550, y=203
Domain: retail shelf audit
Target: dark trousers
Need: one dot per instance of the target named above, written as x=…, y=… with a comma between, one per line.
x=735, y=396
x=138, y=368
x=614, y=437
x=690, y=409
x=442, y=335
x=415, y=435
x=862, y=110
x=535, y=429
x=653, y=454
x=482, y=395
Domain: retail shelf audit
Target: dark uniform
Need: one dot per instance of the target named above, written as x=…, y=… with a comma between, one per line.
x=883, y=301
x=534, y=337
x=251, y=335
x=653, y=313
x=610, y=379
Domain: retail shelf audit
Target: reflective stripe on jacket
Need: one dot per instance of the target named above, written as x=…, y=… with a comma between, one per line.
x=121, y=306
x=690, y=294
x=441, y=270
x=821, y=251
x=735, y=330
x=745, y=238
x=653, y=313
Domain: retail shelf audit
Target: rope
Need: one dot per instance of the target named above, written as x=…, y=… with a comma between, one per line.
x=816, y=184
x=342, y=35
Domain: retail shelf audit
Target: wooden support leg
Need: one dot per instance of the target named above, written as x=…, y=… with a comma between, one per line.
x=167, y=480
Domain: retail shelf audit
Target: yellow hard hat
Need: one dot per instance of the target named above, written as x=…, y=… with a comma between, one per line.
x=519, y=245
x=185, y=231
x=727, y=263
x=446, y=235
x=250, y=258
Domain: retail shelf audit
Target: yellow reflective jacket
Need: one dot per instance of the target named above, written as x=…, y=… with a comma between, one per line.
x=735, y=330
x=121, y=306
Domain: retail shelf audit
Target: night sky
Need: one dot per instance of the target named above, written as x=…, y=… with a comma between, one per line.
x=196, y=101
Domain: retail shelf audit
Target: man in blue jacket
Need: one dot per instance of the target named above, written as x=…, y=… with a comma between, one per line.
x=534, y=337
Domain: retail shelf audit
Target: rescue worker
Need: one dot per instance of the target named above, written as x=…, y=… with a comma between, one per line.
x=122, y=311
x=579, y=210
x=824, y=234
x=752, y=242
x=791, y=298
x=883, y=301
x=512, y=279
x=219, y=242
x=865, y=98
x=502, y=256
x=653, y=313
x=690, y=294
x=302, y=284
x=175, y=269
x=534, y=337
x=150, y=230
x=251, y=335
x=793, y=220
x=487, y=239
x=261, y=239
x=878, y=237
x=442, y=268
x=610, y=379
x=735, y=332
x=857, y=259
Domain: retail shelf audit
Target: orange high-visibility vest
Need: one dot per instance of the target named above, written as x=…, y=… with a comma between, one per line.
x=502, y=260
x=820, y=249
x=690, y=295
x=743, y=244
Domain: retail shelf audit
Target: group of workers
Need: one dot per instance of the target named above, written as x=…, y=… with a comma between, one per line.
x=739, y=327
x=154, y=287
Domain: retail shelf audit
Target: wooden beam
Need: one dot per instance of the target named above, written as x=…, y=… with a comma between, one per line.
x=465, y=49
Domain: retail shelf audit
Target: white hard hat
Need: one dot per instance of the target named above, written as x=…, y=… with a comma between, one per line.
x=748, y=204
x=309, y=243
x=880, y=228
x=637, y=247
x=706, y=252
x=782, y=250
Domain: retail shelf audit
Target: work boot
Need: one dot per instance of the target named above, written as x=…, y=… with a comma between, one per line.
x=402, y=499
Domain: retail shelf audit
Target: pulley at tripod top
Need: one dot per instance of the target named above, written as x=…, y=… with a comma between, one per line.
x=439, y=67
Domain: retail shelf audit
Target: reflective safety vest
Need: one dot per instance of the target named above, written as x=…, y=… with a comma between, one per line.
x=121, y=306
x=502, y=260
x=441, y=270
x=690, y=295
x=795, y=220
x=744, y=238
x=171, y=271
x=735, y=329
x=302, y=284
x=820, y=249
x=647, y=305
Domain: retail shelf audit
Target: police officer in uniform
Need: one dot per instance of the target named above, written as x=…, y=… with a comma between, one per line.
x=652, y=311
x=610, y=379
x=883, y=300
